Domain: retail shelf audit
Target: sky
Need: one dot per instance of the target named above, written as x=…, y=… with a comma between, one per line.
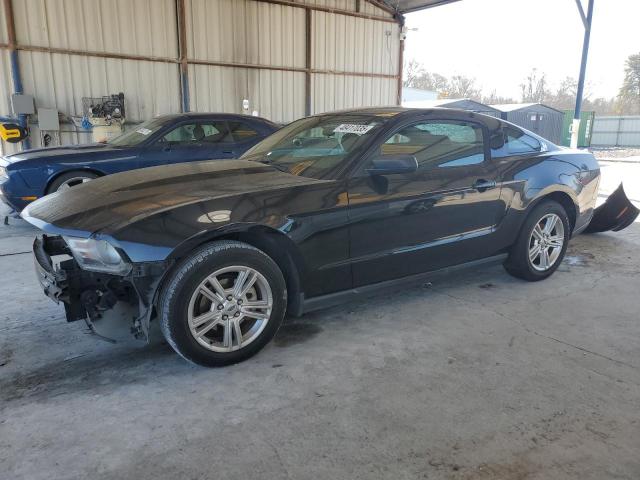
x=499, y=41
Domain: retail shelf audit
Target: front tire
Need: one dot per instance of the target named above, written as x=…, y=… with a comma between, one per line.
x=541, y=244
x=222, y=304
x=69, y=180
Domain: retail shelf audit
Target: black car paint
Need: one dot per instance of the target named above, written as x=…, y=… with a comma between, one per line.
x=333, y=234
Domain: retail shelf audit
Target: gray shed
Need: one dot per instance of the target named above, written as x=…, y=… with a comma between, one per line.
x=536, y=117
x=460, y=103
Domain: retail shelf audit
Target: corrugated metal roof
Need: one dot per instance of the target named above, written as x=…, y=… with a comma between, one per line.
x=462, y=103
x=407, y=6
x=512, y=107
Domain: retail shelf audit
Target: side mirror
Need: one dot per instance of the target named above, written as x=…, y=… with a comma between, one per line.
x=393, y=164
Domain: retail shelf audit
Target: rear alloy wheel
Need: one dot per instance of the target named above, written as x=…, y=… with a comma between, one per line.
x=222, y=304
x=542, y=243
x=546, y=242
x=71, y=179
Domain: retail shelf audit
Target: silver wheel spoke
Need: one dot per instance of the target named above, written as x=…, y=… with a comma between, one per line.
x=248, y=284
x=544, y=258
x=206, y=292
x=239, y=285
x=204, y=318
x=247, y=312
x=237, y=331
x=200, y=333
x=537, y=232
x=551, y=222
x=556, y=241
x=534, y=252
x=228, y=334
x=215, y=283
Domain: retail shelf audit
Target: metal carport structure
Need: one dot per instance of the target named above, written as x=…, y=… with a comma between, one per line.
x=408, y=6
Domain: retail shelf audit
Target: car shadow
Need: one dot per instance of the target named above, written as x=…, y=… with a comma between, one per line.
x=108, y=368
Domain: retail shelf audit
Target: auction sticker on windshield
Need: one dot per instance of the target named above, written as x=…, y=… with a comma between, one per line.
x=352, y=128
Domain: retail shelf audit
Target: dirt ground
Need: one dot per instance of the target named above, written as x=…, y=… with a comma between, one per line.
x=477, y=376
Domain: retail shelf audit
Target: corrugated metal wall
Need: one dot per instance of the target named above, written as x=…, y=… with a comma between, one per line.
x=236, y=49
x=616, y=131
x=140, y=27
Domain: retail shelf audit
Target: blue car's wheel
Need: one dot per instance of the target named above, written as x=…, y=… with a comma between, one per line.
x=70, y=179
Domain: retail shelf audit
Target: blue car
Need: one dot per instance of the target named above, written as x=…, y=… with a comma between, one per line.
x=27, y=176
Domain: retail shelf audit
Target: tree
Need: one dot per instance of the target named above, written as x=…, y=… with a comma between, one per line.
x=629, y=95
x=412, y=72
x=462, y=87
x=458, y=86
x=494, y=99
x=534, y=88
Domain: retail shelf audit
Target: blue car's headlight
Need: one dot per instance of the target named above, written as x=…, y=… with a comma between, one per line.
x=3, y=172
x=97, y=256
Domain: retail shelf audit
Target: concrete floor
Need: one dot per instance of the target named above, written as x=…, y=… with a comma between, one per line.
x=478, y=376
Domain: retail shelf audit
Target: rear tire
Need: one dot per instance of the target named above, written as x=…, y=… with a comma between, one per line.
x=70, y=179
x=541, y=244
x=222, y=304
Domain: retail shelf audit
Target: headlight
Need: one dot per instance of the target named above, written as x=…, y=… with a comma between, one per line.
x=97, y=256
x=3, y=172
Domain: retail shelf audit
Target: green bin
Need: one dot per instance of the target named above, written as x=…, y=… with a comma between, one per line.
x=586, y=128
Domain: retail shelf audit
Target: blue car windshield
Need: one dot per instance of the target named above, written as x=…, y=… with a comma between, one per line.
x=139, y=134
x=315, y=146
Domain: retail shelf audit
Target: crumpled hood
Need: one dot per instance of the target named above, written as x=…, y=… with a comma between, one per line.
x=67, y=154
x=110, y=203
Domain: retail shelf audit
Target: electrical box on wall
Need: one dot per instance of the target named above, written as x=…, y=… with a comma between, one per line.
x=48, y=119
x=22, y=104
x=49, y=125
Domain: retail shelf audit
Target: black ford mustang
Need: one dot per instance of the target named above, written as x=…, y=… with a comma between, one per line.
x=328, y=207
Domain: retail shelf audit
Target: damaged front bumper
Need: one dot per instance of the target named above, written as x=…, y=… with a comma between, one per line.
x=114, y=307
x=613, y=215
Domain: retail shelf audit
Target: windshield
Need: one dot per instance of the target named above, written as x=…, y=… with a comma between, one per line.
x=139, y=134
x=316, y=146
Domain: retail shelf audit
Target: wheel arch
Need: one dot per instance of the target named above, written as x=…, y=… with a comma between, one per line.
x=56, y=175
x=271, y=241
x=567, y=202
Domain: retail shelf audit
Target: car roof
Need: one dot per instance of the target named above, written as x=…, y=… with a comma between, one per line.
x=393, y=111
x=209, y=115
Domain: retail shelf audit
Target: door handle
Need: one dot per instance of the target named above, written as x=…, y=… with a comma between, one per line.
x=482, y=185
x=228, y=151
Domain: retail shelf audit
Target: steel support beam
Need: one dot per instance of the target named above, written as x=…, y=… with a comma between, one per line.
x=308, y=50
x=575, y=127
x=400, y=62
x=182, y=55
x=191, y=61
x=337, y=11
x=581, y=12
x=16, y=77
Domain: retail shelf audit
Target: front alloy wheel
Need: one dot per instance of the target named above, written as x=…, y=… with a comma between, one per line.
x=230, y=308
x=222, y=304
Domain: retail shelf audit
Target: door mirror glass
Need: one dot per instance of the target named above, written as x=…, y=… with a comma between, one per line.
x=392, y=165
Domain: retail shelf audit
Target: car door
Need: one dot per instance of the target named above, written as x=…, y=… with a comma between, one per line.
x=191, y=141
x=442, y=214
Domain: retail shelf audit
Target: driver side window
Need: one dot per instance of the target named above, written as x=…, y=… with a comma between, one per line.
x=438, y=144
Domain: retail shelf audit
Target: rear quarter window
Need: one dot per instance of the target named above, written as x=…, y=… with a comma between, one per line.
x=514, y=142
